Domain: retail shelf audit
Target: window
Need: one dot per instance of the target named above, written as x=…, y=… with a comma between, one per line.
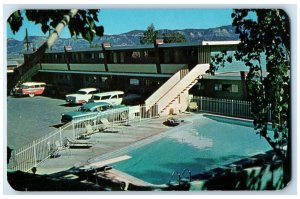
x=135, y=55
x=102, y=108
x=81, y=92
x=104, y=79
x=101, y=56
x=59, y=56
x=114, y=97
x=105, y=97
x=218, y=87
x=95, y=97
x=200, y=86
x=232, y=88
x=146, y=53
x=89, y=56
x=167, y=56
x=177, y=55
x=122, y=56
x=151, y=53
x=91, y=79
x=94, y=92
x=115, y=57
x=134, y=82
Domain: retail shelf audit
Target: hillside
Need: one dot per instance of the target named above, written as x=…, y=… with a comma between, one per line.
x=15, y=48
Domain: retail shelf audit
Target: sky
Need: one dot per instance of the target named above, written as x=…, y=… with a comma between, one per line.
x=116, y=21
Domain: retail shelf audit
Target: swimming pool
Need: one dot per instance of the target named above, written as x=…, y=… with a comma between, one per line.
x=204, y=143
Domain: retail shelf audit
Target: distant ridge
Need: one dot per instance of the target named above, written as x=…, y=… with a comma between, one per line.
x=131, y=38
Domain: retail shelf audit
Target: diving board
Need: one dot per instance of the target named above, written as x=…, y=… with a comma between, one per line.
x=103, y=163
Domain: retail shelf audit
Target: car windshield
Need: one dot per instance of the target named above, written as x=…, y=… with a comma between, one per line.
x=83, y=109
x=81, y=92
x=94, y=97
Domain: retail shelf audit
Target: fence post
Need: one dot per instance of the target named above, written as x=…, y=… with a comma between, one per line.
x=231, y=107
x=60, y=139
x=141, y=112
x=73, y=126
x=34, y=154
x=201, y=104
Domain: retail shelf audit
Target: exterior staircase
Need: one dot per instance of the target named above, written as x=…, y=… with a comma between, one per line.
x=172, y=97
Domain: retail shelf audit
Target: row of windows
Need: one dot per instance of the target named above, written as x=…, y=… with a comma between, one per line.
x=72, y=57
x=166, y=56
x=232, y=88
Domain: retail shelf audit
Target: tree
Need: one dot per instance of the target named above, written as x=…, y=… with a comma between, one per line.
x=266, y=32
x=149, y=35
x=175, y=37
x=79, y=22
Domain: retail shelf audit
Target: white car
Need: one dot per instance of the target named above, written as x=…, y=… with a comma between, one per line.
x=82, y=96
x=112, y=97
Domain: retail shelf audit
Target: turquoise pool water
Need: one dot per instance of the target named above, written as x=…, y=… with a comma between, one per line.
x=201, y=145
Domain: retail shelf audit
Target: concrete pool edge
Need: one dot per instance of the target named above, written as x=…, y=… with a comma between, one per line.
x=141, y=143
x=187, y=121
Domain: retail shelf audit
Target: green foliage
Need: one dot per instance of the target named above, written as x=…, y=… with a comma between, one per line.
x=174, y=38
x=149, y=35
x=83, y=23
x=15, y=21
x=265, y=31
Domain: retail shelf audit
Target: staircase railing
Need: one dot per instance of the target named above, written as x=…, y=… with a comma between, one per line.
x=185, y=82
x=160, y=92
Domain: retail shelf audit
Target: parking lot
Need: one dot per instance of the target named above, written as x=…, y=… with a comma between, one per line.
x=30, y=118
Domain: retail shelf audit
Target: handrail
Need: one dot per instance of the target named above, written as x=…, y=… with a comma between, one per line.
x=196, y=72
x=175, y=172
x=190, y=173
x=159, y=93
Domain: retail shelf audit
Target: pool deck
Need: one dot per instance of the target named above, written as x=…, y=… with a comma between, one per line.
x=106, y=143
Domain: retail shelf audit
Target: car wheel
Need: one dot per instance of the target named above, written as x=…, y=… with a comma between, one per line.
x=31, y=94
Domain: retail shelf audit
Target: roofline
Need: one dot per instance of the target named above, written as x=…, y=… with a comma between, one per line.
x=109, y=92
x=150, y=46
x=109, y=73
x=216, y=43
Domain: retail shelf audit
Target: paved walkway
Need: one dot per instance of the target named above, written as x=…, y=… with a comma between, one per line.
x=104, y=143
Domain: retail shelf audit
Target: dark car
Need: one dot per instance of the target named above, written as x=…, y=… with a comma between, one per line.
x=97, y=110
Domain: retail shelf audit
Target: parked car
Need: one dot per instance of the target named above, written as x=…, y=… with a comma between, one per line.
x=112, y=97
x=81, y=96
x=133, y=99
x=29, y=88
x=97, y=111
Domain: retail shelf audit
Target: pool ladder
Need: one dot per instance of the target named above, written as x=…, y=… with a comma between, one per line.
x=182, y=179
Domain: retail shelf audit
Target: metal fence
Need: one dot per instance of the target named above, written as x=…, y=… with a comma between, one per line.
x=235, y=108
x=34, y=153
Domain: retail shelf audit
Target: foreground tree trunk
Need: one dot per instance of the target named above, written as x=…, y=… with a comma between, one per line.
x=20, y=72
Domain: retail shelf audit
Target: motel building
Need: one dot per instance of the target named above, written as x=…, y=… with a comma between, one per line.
x=162, y=74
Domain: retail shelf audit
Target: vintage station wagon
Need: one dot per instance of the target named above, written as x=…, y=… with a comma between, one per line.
x=29, y=88
x=81, y=96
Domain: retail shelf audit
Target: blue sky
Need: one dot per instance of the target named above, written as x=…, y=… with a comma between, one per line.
x=116, y=21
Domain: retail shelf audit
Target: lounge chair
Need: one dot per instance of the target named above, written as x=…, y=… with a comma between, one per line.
x=89, y=131
x=107, y=127
x=56, y=147
x=78, y=144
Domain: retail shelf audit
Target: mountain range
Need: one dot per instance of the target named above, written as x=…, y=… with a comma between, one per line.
x=15, y=48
